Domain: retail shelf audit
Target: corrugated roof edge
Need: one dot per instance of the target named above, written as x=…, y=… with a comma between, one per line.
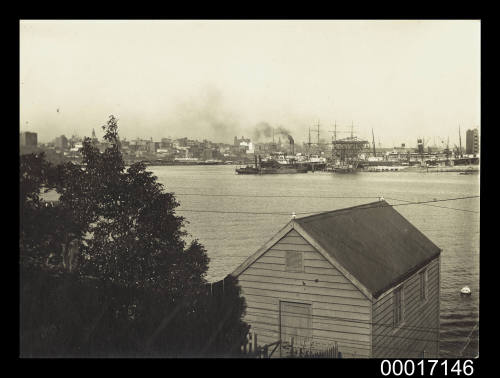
x=406, y=275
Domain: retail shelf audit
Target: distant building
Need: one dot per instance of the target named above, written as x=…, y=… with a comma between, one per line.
x=74, y=140
x=181, y=142
x=61, y=142
x=208, y=154
x=166, y=143
x=151, y=146
x=28, y=139
x=420, y=146
x=163, y=151
x=237, y=142
x=77, y=147
x=472, y=141
x=138, y=145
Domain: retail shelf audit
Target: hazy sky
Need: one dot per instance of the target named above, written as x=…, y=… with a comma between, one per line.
x=218, y=79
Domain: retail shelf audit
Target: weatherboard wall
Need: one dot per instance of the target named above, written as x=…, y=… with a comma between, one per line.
x=419, y=330
x=340, y=312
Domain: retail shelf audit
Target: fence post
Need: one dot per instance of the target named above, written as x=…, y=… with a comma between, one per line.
x=250, y=343
x=254, y=341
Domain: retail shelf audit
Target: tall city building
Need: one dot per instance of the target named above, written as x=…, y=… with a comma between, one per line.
x=94, y=138
x=420, y=146
x=472, y=141
x=27, y=138
x=61, y=142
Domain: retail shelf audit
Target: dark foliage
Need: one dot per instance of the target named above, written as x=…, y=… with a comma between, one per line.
x=106, y=271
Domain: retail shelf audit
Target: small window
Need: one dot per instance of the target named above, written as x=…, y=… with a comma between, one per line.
x=294, y=261
x=423, y=285
x=398, y=306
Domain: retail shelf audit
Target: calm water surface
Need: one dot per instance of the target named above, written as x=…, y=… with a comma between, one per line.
x=231, y=237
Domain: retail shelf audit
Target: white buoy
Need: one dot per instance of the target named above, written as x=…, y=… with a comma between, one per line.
x=465, y=290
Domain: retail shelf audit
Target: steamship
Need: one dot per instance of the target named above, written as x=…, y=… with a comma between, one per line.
x=275, y=164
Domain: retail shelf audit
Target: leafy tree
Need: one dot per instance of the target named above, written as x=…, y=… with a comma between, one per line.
x=138, y=288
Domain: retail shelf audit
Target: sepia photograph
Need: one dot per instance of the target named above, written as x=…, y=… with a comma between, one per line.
x=250, y=189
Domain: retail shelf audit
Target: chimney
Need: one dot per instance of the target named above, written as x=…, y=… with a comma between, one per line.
x=290, y=139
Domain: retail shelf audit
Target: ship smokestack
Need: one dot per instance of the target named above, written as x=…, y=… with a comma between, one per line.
x=291, y=144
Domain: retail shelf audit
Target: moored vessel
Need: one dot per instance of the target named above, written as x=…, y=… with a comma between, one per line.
x=273, y=166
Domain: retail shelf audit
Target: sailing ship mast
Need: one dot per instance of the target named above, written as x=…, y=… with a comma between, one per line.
x=345, y=152
x=373, y=142
x=460, y=140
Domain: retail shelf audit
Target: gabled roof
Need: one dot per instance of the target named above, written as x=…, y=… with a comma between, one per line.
x=372, y=244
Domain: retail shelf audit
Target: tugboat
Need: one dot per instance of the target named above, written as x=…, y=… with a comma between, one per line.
x=249, y=170
x=344, y=168
x=469, y=171
x=280, y=166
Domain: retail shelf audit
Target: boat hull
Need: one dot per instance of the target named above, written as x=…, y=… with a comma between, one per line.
x=270, y=171
x=247, y=171
x=277, y=171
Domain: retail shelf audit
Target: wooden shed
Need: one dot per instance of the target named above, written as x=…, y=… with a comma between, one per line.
x=362, y=278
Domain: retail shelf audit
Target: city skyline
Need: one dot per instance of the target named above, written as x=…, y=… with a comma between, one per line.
x=219, y=79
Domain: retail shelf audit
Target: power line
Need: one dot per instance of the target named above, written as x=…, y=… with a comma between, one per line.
x=272, y=196
x=468, y=339
x=316, y=212
x=238, y=212
x=442, y=207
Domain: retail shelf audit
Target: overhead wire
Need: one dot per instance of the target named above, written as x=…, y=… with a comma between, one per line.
x=442, y=207
x=323, y=211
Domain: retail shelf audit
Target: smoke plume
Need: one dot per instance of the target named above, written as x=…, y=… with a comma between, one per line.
x=206, y=115
x=263, y=132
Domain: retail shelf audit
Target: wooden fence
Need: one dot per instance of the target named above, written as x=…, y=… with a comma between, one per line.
x=251, y=349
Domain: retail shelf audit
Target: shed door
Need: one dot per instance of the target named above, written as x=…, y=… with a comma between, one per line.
x=295, y=322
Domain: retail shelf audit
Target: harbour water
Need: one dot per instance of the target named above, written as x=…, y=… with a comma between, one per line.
x=234, y=215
